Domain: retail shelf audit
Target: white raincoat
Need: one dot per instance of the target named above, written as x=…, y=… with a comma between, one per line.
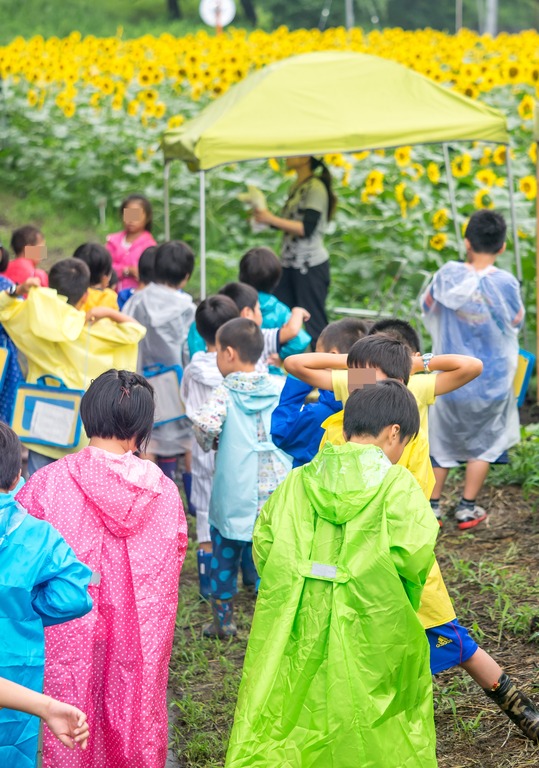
x=471, y=312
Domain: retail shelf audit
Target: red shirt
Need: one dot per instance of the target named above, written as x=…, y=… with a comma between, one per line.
x=21, y=268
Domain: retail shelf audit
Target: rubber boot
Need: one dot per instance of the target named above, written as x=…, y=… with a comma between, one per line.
x=187, y=480
x=223, y=624
x=248, y=568
x=518, y=707
x=204, y=567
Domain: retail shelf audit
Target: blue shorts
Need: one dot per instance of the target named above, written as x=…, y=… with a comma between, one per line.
x=450, y=645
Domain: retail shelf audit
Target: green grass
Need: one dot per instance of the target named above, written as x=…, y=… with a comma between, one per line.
x=99, y=17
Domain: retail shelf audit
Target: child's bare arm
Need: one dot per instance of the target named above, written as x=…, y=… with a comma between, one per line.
x=98, y=313
x=294, y=325
x=454, y=371
x=315, y=367
x=66, y=722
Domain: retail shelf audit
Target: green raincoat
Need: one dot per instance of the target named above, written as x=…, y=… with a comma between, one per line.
x=337, y=667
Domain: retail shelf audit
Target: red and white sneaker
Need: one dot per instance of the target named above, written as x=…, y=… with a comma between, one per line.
x=469, y=518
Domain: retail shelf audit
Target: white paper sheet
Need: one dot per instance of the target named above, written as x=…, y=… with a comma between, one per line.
x=52, y=423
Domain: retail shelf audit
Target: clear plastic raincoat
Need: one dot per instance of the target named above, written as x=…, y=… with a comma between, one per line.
x=471, y=312
x=337, y=668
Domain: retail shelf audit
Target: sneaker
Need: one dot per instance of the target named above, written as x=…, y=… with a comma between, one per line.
x=469, y=518
x=437, y=513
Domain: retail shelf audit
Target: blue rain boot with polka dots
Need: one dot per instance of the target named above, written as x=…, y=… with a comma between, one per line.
x=248, y=569
x=204, y=568
x=223, y=624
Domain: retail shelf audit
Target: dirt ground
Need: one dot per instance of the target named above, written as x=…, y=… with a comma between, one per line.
x=493, y=577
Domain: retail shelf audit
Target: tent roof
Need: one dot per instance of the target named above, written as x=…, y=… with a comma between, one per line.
x=318, y=103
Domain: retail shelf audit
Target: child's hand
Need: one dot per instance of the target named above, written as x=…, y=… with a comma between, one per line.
x=67, y=723
x=274, y=360
x=417, y=364
x=262, y=216
x=24, y=288
x=305, y=315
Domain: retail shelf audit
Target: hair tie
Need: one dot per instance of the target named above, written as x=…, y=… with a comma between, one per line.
x=124, y=392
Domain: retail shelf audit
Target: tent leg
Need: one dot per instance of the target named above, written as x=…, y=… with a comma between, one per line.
x=202, y=178
x=518, y=260
x=453, y=200
x=537, y=236
x=510, y=182
x=166, y=199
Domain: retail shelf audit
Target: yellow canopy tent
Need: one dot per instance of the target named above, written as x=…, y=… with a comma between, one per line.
x=328, y=102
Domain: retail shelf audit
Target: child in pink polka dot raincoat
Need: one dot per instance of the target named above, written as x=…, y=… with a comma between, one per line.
x=125, y=520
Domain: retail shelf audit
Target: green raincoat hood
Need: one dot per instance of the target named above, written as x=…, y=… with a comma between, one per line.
x=343, y=479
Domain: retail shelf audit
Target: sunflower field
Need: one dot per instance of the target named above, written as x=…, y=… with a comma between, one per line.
x=81, y=121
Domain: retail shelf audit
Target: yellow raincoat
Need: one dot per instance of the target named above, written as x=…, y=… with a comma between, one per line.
x=56, y=340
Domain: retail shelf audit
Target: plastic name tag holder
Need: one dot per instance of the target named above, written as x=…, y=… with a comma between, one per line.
x=4, y=360
x=48, y=414
x=166, y=381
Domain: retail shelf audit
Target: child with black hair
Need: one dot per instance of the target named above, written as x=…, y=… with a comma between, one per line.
x=296, y=426
x=146, y=269
x=125, y=519
x=200, y=377
x=42, y=584
x=28, y=245
x=248, y=303
x=473, y=307
x=167, y=311
x=59, y=339
x=382, y=356
x=248, y=466
x=261, y=268
x=126, y=246
x=337, y=665
x=99, y=262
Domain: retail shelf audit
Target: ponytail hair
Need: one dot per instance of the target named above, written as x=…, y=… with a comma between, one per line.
x=327, y=180
x=4, y=258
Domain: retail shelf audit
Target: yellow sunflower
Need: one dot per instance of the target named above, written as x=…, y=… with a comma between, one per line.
x=500, y=154
x=440, y=218
x=528, y=187
x=461, y=165
x=438, y=241
x=433, y=173
x=532, y=152
x=403, y=156
x=526, y=107
x=486, y=177
x=482, y=199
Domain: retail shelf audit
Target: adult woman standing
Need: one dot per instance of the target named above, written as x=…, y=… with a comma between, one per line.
x=310, y=205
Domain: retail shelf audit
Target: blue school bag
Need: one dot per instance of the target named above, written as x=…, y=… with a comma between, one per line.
x=48, y=413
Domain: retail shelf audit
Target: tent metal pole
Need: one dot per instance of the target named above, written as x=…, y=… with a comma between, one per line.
x=513, y=214
x=537, y=230
x=166, y=198
x=453, y=199
x=202, y=179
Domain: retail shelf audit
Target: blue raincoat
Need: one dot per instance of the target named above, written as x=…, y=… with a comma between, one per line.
x=41, y=583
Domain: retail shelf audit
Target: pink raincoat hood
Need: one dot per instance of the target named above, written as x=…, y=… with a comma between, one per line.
x=121, y=487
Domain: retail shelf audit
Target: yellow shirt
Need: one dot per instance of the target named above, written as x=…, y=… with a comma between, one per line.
x=436, y=607
x=56, y=340
x=100, y=298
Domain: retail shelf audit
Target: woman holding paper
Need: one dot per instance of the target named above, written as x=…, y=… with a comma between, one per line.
x=310, y=205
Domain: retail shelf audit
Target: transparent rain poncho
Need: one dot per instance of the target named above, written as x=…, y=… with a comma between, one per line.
x=478, y=313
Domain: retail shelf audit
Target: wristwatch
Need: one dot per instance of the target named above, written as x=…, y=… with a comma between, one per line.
x=426, y=361
x=12, y=290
